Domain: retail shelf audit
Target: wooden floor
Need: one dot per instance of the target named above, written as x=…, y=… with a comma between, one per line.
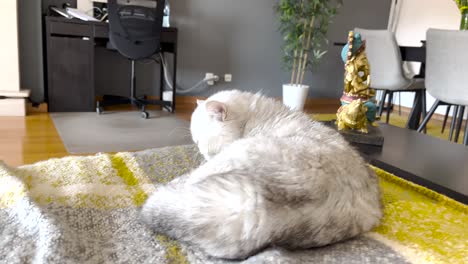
x=29, y=139
x=25, y=140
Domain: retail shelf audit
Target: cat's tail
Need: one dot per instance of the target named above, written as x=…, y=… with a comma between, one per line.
x=223, y=214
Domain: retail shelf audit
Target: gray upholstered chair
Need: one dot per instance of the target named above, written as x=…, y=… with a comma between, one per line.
x=446, y=71
x=386, y=68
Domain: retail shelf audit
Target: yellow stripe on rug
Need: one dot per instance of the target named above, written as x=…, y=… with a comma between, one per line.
x=133, y=184
x=102, y=181
x=11, y=189
x=174, y=254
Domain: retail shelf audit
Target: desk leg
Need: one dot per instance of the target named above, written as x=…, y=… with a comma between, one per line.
x=161, y=80
x=415, y=115
x=174, y=84
x=161, y=83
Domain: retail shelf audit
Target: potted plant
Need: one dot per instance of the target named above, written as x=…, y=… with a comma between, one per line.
x=463, y=7
x=304, y=25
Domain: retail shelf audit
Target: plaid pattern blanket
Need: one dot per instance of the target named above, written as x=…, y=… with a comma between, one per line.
x=85, y=210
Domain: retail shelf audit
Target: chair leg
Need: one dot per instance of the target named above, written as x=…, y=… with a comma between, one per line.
x=452, y=124
x=465, y=139
x=445, y=118
x=382, y=102
x=424, y=106
x=459, y=122
x=428, y=116
x=389, y=106
x=132, y=80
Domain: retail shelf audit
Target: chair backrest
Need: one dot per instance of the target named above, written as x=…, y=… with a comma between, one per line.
x=447, y=65
x=135, y=29
x=383, y=54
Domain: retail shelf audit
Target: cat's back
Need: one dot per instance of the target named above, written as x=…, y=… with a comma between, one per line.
x=278, y=136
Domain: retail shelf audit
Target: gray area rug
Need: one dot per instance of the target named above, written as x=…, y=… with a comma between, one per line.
x=119, y=131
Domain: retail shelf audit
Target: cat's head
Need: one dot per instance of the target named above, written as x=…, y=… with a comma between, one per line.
x=214, y=126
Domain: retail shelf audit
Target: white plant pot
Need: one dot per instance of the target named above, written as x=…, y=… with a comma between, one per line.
x=295, y=95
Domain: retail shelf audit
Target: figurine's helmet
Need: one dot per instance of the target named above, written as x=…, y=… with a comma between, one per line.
x=355, y=41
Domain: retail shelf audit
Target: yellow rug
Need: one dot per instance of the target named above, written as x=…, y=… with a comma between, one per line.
x=423, y=225
x=86, y=208
x=433, y=127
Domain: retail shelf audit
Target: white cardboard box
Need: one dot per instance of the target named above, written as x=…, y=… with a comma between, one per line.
x=13, y=107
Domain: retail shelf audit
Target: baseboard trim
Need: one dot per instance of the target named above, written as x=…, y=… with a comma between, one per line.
x=316, y=105
x=190, y=103
x=182, y=102
x=41, y=108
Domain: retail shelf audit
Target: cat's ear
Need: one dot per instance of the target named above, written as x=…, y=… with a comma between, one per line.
x=216, y=110
x=199, y=102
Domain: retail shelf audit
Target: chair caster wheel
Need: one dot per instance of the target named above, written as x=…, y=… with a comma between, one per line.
x=144, y=115
x=99, y=110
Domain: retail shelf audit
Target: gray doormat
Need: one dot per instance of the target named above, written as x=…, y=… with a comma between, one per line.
x=120, y=131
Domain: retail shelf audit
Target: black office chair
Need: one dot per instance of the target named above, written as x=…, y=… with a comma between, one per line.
x=135, y=32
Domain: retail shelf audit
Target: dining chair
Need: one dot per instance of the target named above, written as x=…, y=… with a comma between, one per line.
x=386, y=68
x=446, y=69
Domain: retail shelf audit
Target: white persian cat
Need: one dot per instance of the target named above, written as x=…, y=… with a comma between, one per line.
x=273, y=177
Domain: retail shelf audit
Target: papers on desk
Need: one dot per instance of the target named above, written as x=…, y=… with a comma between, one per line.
x=80, y=15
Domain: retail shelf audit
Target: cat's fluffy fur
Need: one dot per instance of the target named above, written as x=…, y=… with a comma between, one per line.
x=273, y=178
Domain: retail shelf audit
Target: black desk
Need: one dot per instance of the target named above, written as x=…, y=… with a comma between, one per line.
x=415, y=54
x=437, y=164
x=411, y=54
x=71, y=58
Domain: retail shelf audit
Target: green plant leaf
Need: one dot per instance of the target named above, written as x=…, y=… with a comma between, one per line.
x=292, y=14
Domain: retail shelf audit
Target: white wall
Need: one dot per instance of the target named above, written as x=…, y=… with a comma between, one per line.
x=415, y=17
x=9, y=59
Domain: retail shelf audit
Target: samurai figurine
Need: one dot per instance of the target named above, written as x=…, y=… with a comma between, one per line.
x=358, y=107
